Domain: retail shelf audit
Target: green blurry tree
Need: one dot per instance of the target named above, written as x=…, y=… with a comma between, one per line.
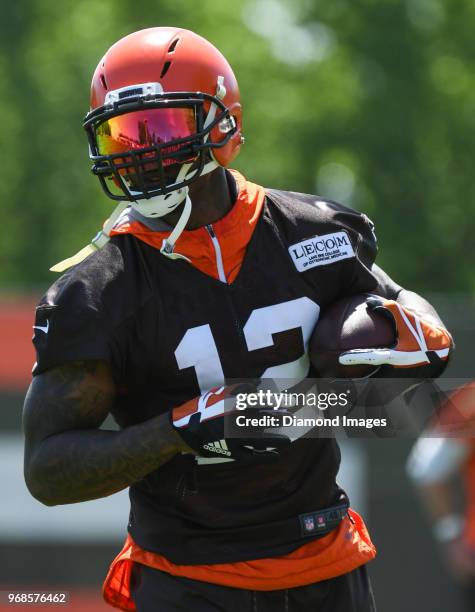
x=368, y=102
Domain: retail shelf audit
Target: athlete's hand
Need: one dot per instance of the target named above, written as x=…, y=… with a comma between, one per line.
x=418, y=341
x=201, y=424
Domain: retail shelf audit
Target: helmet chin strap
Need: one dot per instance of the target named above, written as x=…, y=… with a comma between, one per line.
x=159, y=206
x=156, y=206
x=169, y=243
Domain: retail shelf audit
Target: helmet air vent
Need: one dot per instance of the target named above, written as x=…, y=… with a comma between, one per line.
x=171, y=48
x=103, y=81
x=165, y=68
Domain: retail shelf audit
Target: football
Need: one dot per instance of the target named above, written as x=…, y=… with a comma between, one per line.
x=348, y=324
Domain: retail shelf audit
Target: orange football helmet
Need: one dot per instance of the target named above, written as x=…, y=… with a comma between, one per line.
x=165, y=109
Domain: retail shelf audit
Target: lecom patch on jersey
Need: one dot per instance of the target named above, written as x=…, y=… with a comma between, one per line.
x=321, y=250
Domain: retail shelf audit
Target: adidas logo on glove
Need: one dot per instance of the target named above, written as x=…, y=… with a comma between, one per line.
x=219, y=446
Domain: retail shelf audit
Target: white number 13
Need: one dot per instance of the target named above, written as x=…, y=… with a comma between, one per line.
x=198, y=348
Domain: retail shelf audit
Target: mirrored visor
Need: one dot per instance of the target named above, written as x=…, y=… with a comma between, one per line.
x=144, y=128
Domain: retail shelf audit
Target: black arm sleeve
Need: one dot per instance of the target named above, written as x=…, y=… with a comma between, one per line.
x=386, y=286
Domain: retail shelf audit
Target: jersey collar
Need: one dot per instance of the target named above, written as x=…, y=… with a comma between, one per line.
x=233, y=231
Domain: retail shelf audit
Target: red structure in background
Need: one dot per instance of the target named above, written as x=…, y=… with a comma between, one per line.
x=16, y=330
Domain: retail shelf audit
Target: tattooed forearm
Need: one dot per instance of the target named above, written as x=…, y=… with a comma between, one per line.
x=67, y=459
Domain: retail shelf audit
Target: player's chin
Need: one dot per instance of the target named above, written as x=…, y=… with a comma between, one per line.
x=153, y=179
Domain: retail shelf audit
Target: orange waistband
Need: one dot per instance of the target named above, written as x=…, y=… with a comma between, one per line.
x=339, y=552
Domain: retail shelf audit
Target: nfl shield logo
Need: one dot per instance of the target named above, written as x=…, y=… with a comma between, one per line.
x=309, y=523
